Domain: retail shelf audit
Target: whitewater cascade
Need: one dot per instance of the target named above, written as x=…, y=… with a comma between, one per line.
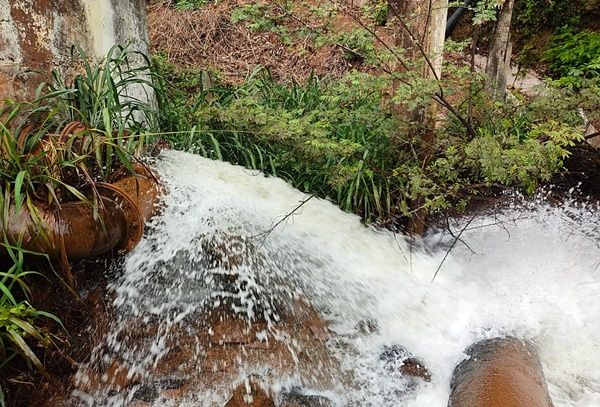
x=530, y=271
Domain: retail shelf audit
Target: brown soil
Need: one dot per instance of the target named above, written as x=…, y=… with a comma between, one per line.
x=206, y=39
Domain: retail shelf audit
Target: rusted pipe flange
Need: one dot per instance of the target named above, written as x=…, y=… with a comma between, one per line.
x=73, y=231
x=134, y=221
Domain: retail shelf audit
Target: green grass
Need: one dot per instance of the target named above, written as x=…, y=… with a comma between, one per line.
x=18, y=319
x=324, y=138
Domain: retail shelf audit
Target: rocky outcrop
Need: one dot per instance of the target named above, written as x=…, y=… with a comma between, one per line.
x=501, y=372
x=399, y=360
x=208, y=352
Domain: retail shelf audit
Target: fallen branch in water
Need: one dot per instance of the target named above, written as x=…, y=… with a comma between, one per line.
x=452, y=247
x=267, y=232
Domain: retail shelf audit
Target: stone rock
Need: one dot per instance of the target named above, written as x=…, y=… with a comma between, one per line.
x=146, y=393
x=295, y=398
x=116, y=376
x=231, y=330
x=366, y=327
x=398, y=359
x=415, y=368
x=501, y=372
x=250, y=393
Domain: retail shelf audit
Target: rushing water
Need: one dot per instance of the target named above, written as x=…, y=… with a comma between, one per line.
x=532, y=271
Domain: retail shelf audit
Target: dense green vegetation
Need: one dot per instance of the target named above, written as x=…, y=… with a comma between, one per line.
x=357, y=140
x=54, y=150
x=544, y=28
x=350, y=140
x=574, y=58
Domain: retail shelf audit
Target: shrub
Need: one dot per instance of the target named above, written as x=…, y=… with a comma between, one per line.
x=347, y=140
x=533, y=16
x=574, y=58
x=326, y=139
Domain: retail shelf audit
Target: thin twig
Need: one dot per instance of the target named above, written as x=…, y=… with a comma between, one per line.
x=400, y=247
x=457, y=237
x=286, y=217
x=451, y=247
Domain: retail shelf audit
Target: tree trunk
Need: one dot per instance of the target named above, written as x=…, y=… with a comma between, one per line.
x=498, y=63
x=423, y=33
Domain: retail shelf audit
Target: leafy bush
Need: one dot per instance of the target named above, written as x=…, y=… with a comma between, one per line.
x=574, y=57
x=358, y=45
x=18, y=318
x=261, y=17
x=533, y=16
x=324, y=139
x=347, y=140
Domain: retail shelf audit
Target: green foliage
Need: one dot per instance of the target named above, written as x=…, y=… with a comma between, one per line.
x=534, y=19
x=112, y=94
x=346, y=140
x=358, y=45
x=261, y=17
x=323, y=138
x=485, y=10
x=18, y=319
x=531, y=17
x=574, y=57
x=191, y=4
x=183, y=91
x=378, y=11
x=516, y=144
x=253, y=15
x=359, y=140
x=55, y=148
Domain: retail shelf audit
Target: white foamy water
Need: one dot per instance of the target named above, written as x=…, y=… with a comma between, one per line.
x=531, y=271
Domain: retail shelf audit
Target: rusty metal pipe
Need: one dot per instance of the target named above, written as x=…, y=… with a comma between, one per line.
x=71, y=231
x=501, y=372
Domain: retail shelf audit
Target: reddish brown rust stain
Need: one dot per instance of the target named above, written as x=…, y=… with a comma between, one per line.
x=46, y=29
x=74, y=227
x=501, y=372
x=34, y=21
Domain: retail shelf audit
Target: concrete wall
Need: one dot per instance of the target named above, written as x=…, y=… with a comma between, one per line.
x=36, y=36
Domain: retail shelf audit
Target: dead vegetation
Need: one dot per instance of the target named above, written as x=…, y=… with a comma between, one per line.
x=207, y=39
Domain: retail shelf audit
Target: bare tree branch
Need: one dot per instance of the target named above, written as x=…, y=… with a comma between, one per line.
x=285, y=218
x=452, y=247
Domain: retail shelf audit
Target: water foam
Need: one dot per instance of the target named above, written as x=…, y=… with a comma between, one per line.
x=531, y=271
